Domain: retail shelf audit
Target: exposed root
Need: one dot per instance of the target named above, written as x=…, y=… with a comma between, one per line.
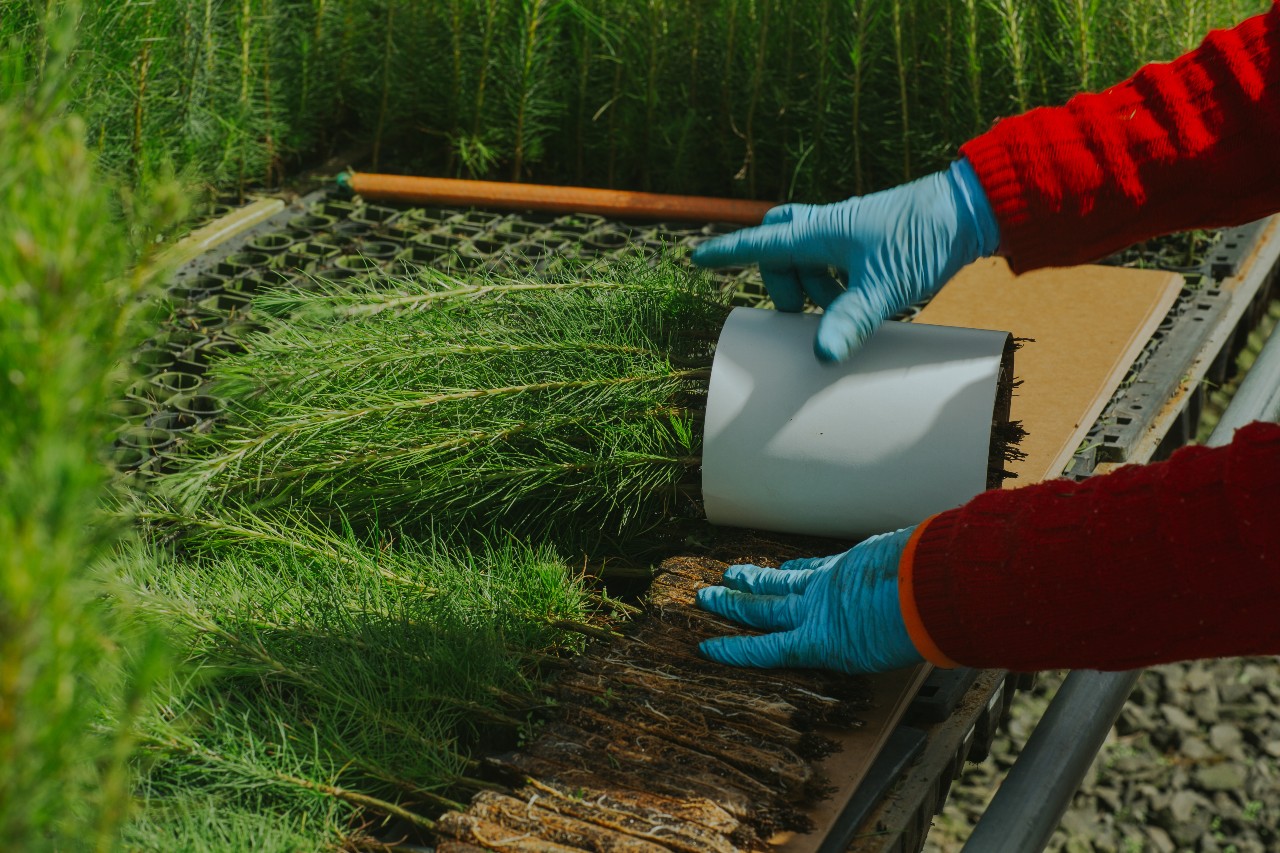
x=650, y=747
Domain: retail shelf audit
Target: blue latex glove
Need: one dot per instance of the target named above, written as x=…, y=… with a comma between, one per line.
x=893, y=248
x=836, y=612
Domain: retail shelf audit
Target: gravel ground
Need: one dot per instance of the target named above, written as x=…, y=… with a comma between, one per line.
x=1193, y=764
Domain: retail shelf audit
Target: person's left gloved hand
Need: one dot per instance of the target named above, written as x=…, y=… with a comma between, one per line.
x=838, y=612
x=891, y=249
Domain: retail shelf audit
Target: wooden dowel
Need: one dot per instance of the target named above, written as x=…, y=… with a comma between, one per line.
x=614, y=203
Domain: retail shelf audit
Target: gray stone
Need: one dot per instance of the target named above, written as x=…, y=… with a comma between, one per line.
x=1104, y=841
x=1173, y=677
x=1227, y=776
x=1160, y=840
x=1079, y=824
x=1195, y=748
x=1272, y=748
x=1155, y=796
x=1224, y=736
x=1183, y=805
x=1108, y=796
x=1178, y=718
x=1225, y=805
x=1234, y=692
x=1187, y=834
x=1205, y=704
x=1133, y=767
x=1199, y=677
x=1135, y=718
x=1254, y=675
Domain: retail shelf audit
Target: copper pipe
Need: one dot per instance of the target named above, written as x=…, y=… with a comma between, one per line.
x=616, y=203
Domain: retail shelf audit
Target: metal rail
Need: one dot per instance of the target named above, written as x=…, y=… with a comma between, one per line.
x=1257, y=399
x=1038, y=788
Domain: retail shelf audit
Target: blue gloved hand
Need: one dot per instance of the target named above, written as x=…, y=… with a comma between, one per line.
x=838, y=612
x=893, y=248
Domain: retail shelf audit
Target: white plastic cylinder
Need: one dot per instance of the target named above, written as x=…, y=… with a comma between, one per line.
x=900, y=431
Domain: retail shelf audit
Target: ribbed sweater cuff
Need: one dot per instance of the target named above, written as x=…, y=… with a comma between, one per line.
x=989, y=156
x=916, y=630
x=928, y=583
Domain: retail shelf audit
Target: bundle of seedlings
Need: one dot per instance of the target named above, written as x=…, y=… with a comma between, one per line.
x=649, y=747
x=334, y=691
x=517, y=404
x=564, y=407
x=558, y=407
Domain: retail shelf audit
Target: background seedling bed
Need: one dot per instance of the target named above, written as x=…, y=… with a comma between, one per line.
x=757, y=98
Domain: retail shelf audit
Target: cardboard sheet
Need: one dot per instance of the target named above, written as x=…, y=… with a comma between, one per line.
x=1088, y=324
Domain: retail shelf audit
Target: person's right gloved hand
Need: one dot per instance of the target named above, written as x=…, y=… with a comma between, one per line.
x=838, y=612
x=891, y=248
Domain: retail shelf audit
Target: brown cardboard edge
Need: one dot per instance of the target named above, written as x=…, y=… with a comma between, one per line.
x=892, y=692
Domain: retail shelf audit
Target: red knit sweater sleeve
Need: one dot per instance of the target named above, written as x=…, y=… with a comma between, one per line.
x=1192, y=143
x=1149, y=564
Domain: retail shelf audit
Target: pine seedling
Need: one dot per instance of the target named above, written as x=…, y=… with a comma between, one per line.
x=333, y=681
x=904, y=96
x=973, y=62
x=1014, y=44
x=586, y=43
x=758, y=18
x=865, y=15
x=531, y=405
x=476, y=149
x=1077, y=20
x=67, y=307
x=654, y=21
x=825, y=38
x=729, y=81
x=533, y=100
x=689, y=136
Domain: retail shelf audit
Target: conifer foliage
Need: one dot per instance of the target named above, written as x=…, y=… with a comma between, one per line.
x=529, y=405
x=807, y=101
